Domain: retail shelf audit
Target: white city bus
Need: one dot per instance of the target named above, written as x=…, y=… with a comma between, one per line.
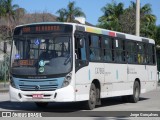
x=69, y=62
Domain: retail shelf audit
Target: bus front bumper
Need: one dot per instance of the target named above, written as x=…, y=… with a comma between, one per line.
x=65, y=94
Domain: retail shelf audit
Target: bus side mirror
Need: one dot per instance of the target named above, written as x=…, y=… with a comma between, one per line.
x=81, y=43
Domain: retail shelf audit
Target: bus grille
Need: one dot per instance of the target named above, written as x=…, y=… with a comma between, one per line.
x=37, y=88
x=38, y=85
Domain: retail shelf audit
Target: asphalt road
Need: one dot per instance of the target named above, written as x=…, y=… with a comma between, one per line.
x=148, y=102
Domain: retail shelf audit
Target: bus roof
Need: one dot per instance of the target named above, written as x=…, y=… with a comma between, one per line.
x=97, y=30
x=42, y=23
x=116, y=34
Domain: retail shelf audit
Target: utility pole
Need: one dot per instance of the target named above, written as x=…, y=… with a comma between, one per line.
x=137, y=17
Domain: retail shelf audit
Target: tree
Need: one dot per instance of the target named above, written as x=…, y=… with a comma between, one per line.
x=2, y=10
x=62, y=15
x=124, y=20
x=18, y=15
x=69, y=14
x=127, y=21
x=157, y=36
x=147, y=20
x=9, y=11
x=111, y=15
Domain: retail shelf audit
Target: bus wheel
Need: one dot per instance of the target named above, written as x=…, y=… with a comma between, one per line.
x=42, y=104
x=98, y=101
x=136, y=93
x=91, y=103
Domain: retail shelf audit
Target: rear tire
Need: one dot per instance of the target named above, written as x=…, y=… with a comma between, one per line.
x=136, y=93
x=41, y=104
x=91, y=103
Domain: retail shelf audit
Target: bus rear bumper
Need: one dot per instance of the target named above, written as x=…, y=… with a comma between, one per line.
x=65, y=94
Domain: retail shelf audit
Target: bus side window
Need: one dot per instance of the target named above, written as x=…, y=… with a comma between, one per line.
x=140, y=55
x=131, y=52
x=151, y=54
x=80, y=51
x=95, y=49
x=119, y=47
x=107, y=48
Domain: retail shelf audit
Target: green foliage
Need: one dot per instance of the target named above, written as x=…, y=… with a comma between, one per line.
x=69, y=14
x=157, y=36
x=8, y=12
x=116, y=18
x=62, y=15
x=111, y=15
x=9, y=9
x=2, y=10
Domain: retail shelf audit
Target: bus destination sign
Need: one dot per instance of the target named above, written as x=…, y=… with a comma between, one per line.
x=45, y=28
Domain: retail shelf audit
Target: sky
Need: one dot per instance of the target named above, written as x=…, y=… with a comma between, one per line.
x=92, y=8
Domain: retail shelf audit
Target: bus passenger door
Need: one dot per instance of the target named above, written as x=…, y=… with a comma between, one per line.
x=81, y=71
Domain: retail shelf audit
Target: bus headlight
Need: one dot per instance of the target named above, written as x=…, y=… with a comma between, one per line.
x=67, y=80
x=12, y=82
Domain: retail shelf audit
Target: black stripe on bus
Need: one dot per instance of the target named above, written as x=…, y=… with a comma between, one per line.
x=80, y=28
x=121, y=35
x=145, y=40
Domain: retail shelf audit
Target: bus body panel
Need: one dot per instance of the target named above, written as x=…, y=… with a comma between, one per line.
x=84, y=78
x=114, y=84
x=65, y=94
x=82, y=84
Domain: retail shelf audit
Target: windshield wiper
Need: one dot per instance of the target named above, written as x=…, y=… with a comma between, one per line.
x=67, y=60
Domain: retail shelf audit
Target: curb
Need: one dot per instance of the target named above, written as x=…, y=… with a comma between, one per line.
x=4, y=89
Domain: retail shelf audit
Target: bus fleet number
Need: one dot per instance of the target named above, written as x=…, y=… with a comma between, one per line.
x=99, y=70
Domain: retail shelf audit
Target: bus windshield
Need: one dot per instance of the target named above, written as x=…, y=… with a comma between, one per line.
x=41, y=55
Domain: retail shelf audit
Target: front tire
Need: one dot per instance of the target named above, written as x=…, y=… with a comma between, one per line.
x=136, y=93
x=91, y=103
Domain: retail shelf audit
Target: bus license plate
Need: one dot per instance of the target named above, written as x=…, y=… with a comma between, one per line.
x=38, y=96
